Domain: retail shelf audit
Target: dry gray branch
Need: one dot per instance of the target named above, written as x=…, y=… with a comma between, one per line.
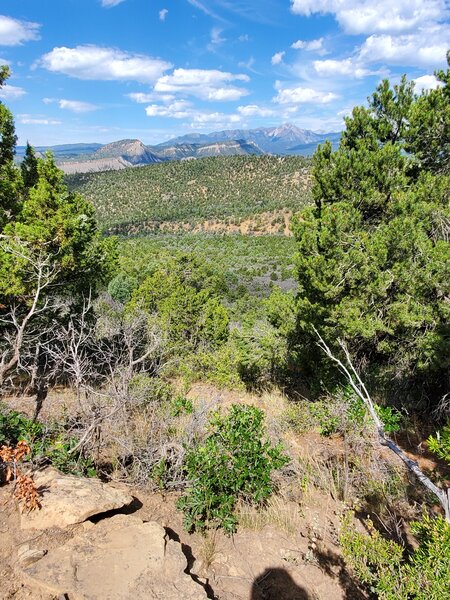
x=443, y=495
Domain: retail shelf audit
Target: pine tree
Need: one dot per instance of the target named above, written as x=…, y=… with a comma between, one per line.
x=373, y=254
x=29, y=168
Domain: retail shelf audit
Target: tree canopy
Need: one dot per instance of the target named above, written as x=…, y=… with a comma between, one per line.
x=373, y=261
x=51, y=253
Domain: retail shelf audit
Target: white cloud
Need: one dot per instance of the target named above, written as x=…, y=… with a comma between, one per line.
x=216, y=117
x=11, y=92
x=14, y=32
x=163, y=14
x=216, y=37
x=142, y=98
x=347, y=67
x=73, y=105
x=425, y=83
x=302, y=95
x=366, y=16
x=111, y=3
x=244, y=37
x=77, y=106
x=426, y=48
x=98, y=63
x=203, y=83
x=32, y=120
x=185, y=110
x=252, y=110
x=277, y=58
x=309, y=46
x=176, y=110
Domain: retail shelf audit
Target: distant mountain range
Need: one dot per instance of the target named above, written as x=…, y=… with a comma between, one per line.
x=286, y=139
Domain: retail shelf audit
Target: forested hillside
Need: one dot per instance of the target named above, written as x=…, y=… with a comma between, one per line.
x=230, y=188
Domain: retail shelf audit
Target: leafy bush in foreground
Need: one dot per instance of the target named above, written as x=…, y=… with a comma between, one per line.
x=235, y=461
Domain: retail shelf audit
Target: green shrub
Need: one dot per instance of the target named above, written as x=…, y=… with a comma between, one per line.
x=121, y=287
x=235, y=461
x=440, y=444
x=179, y=405
x=15, y=427
x=390, y=572
x=51, y=442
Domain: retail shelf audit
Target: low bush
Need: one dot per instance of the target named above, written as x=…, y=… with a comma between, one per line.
x=389, y=571
x=52, y=443
x=234, y=462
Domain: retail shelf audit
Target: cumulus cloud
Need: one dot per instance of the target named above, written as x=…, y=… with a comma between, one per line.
x=175, y=110
x=426, y=82
x=277, y=58
x=216, y=118
x=98, y=63
x=143, y=98
x=309, y=46
x=197, y=118
x=203, y=83
x=302, y=95
x=163, y=14
x=252, y=110
x=11, y=92
x=366, y=16
x=425, y=48
x=348, y=67
x=14, y=32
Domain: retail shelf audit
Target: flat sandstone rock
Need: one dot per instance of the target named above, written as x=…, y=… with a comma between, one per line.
x=117, y=559
x=67, y=500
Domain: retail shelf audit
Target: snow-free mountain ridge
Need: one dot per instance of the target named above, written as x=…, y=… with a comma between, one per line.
x=284, y=139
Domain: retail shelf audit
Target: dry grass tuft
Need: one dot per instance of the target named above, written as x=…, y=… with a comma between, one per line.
x=278, y=512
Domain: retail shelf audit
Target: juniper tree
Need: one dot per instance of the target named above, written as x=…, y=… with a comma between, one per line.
x=373, y=261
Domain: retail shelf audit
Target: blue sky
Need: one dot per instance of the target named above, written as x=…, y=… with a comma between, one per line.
x=103, y=70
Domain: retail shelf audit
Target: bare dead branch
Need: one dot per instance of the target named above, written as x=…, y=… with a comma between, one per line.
x=360, y=390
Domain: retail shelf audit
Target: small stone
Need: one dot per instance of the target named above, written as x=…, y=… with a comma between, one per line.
x=27, y=556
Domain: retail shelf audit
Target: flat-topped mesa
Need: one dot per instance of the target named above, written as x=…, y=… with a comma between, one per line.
x=133, y=151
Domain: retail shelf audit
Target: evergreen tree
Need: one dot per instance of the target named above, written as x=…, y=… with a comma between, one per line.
x=29, y=168
x=374, y=259
x=9, y=174
x=52, y=255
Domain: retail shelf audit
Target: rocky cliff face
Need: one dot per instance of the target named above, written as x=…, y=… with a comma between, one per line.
x=132, y=151
x=191, y=150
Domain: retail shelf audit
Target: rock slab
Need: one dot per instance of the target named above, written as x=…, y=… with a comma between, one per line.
x=67, y=500
x=119, y=558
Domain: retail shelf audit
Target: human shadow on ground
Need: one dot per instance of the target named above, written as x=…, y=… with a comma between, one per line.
x=277, y=584
x=334, y=566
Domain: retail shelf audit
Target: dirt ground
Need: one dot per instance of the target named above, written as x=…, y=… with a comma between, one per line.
x=288, y=552
x=295, y=557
